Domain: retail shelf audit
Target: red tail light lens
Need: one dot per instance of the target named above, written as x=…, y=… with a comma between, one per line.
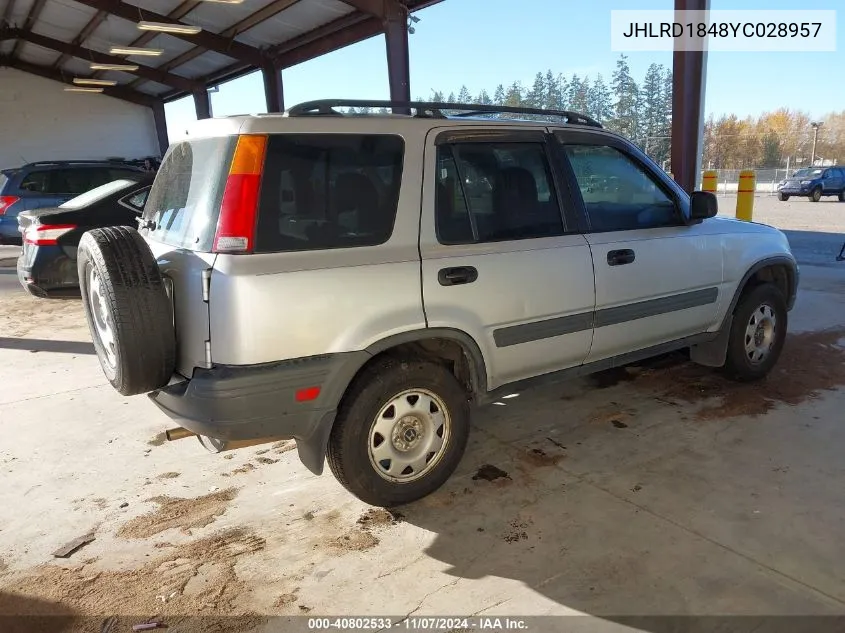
x=6, y=202
x=46, y=234
x=239, y=209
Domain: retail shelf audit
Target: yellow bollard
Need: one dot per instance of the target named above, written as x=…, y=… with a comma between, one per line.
x=710, y=181
x=745, y=195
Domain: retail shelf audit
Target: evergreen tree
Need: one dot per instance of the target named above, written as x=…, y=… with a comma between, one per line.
x=484, y=98
x=579, y=94
x=464, y=96
x=451, y=98
x=552, y=99
x=514, y=96
x=651, y=112
x=666, y=122
x=601, y=104
x=437, y=96
x=537, y=95
x=626, y=93
x=499, y=95
x=563, y=92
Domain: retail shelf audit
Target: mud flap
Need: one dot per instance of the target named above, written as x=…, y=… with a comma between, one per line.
x=312, y=449
x=713, y=353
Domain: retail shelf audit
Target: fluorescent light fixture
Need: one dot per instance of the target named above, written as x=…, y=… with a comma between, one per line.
x=165, y=27
x=82, y=81
x=124, y=67
x=83, y=89
x=132, y=50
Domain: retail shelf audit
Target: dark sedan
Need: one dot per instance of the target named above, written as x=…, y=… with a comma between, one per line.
x=47, y=264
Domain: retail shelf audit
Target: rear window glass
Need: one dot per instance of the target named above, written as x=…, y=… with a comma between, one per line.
x=184, y=201
x=97, y=194
x=323, y=191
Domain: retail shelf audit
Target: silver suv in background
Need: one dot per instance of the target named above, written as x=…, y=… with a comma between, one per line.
x=359, y=282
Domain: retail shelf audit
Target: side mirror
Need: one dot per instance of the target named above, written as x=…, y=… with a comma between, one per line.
x=703, y=205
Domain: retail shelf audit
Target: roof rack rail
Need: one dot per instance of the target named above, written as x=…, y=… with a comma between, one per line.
x=433, y=109
x=93, y=161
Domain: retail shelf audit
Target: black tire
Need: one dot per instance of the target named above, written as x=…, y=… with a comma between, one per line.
x=377, y=386
x=143, y=354
x=842, y=196
x=816, y=195
x=783, y=197
x=739, y=365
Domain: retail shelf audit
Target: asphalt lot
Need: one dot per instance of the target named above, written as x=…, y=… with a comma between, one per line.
x=659, y=490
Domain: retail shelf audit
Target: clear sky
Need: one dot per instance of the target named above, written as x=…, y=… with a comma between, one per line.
x=482, y=43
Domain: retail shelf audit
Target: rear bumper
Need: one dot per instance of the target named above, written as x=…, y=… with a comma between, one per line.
x=48, y=273
x=230, y=402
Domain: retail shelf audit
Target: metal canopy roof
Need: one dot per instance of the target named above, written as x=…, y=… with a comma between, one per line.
x=59, y=39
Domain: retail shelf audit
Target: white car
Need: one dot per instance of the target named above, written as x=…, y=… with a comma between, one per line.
x=359, y=282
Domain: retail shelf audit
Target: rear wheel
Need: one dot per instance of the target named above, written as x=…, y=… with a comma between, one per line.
x=127, y=308
x=400, y=432
x=783, y=197
x=842, y=196
x=816, y=195
x=758, y=332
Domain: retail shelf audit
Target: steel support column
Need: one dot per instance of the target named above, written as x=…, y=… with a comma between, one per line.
x=689, y=73
x=161, y=126
x=274, y=94
x=398, y=61
x=202, y=103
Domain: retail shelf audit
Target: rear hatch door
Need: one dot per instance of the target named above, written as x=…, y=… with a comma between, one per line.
x=179, y=223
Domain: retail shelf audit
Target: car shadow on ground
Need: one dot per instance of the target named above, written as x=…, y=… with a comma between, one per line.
x=25, y=614
x=576, y=493
x=45, y=345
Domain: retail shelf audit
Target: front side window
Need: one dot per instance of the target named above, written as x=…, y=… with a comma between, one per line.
x=487, y=192
x=322, y=191
x=618, y=193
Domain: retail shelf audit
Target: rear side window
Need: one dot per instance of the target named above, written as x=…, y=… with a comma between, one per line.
x=184, y=201
x=4, y=180
x=321, y=191
x=35, y=182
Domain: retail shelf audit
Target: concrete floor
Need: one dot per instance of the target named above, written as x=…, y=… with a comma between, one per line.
x=659, y=491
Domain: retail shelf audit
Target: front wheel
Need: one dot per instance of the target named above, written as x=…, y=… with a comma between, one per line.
x=783, y=197
x=400, y=432
x=816, y=195
x=757, y=333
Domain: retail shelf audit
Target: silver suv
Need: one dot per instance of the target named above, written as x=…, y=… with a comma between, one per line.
x=359, y=282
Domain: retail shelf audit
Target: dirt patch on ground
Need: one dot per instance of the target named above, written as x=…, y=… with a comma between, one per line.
x=158, y=440
x=266, y=460
x=375, y=518
x=353, y=541
x=176, y=512
x=517, y=530
x=241, y=470
x=811, y=363
x=22, y=314
x=540, y=458
x=197, y=578
x=489, y=472
x=284, y=446
x=168, y=475
x=612, y=416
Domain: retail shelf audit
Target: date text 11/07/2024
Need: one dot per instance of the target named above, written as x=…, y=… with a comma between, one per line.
x=418, y=624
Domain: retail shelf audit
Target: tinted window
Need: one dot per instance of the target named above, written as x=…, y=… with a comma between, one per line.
x=619, y=194
x=137, y=200
x=184, y=201
x=328, y=191
x=494, y=191
x=35, y=182
x=4, y=179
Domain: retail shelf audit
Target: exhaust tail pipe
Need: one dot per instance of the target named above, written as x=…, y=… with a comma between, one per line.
x=178, y=433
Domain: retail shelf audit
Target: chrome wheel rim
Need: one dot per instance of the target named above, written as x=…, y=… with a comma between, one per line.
x=760, y=334
x=101, y=317
x=409, y=436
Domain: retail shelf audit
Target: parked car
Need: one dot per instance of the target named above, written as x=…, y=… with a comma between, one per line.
x=814, y=182
x=47, y=264
x=50, y=183
x=327, y=278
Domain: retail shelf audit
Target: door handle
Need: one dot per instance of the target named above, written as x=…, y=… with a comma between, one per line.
x=620, y=257
x=457, y=276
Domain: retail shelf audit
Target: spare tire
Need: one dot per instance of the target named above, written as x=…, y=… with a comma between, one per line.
x=128, y=311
